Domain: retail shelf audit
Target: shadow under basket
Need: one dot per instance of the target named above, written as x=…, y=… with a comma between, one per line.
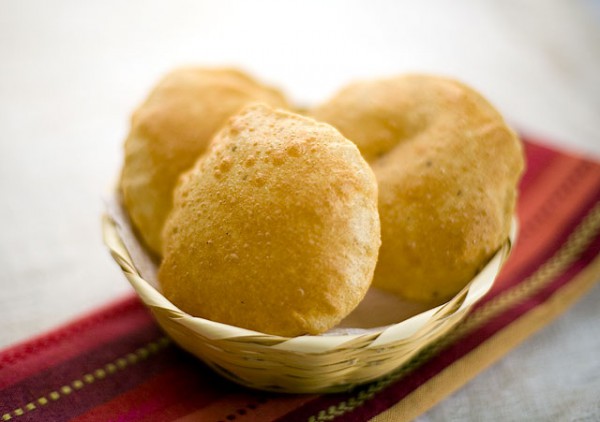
x=333, y=362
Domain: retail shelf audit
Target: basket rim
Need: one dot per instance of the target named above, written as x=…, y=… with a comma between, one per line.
x=378, y=338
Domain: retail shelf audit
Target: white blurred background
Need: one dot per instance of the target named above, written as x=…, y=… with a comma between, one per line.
x=72, y=71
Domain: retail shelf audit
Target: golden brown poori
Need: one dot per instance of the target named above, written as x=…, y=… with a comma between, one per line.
x=275, y=228
x=447, y=165
x=171, y=129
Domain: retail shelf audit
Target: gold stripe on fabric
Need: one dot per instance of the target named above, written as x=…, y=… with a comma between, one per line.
x=102, y=372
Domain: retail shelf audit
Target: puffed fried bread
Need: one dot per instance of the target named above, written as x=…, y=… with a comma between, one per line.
x=170, y=129
x=447, y=165
x=275, y=228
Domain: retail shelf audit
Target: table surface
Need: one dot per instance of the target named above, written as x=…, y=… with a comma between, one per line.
x=72, y=71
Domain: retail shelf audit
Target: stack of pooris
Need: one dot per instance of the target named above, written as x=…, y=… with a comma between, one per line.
x=275, y=228
x=447, y=166
x=279, y=223
x=171, y=129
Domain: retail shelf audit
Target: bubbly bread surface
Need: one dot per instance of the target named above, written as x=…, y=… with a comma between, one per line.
x=447, y=166
x=275, y=228
x=171, y=129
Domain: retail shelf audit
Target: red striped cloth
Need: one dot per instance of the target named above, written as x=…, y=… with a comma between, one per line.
x=115, y=364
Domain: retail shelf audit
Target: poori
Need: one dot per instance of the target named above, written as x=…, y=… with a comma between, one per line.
x=170, y=129
x=447, y=165
x=275, y=228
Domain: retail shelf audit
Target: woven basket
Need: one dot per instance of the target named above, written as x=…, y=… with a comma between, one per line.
x=305, y=364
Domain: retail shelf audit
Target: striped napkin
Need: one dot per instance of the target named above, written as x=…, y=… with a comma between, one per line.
x=115, y=363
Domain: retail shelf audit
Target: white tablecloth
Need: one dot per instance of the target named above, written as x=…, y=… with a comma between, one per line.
x=72, y=71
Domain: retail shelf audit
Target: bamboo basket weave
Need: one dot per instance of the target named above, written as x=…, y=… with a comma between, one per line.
x=305, y=364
